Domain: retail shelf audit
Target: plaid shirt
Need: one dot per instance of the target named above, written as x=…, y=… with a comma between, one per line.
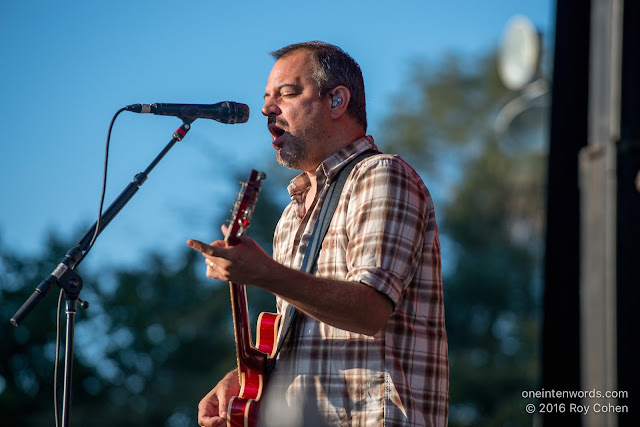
x=383, y=234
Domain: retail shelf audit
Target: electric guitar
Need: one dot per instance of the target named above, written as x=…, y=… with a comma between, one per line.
x=252, y=359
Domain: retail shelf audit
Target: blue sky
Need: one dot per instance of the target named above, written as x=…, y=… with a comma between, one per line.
x=67, y=67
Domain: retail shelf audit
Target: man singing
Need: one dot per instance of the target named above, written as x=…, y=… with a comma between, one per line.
x=368, y=345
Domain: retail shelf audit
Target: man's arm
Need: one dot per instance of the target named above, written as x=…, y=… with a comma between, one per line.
x=348, y=305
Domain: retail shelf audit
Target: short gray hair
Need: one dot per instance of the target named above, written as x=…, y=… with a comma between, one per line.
x=333, y=67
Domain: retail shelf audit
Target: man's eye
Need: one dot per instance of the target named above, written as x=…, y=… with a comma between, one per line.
x=288, y=94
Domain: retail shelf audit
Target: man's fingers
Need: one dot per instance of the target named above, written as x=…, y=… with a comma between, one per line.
x=212, y=421
x=211, y=250
x=208, y=412
x=197, y=245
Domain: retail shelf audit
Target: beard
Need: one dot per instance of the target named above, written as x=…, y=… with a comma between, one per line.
x=293, y=153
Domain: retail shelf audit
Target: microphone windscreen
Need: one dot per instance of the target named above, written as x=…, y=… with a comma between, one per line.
x=242, y=113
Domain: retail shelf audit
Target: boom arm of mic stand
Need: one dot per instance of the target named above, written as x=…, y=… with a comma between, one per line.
x=75, y=255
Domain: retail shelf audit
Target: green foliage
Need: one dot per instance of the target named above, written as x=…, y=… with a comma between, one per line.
x=492, y=306
x=447, y=107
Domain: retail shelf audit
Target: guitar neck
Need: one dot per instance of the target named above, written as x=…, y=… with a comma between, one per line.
x=248, y=356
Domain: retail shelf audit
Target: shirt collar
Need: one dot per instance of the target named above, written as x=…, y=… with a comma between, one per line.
x=330, y=167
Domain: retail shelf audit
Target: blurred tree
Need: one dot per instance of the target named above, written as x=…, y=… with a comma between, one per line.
x=28, y=352
x=488, y=190
x=153, y=342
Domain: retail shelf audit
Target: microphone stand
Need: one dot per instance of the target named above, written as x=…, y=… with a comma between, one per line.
x=71, y=283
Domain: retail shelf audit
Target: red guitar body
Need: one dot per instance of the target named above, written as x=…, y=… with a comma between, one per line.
x=252, y=359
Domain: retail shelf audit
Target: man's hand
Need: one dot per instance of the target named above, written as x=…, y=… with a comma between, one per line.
x=243, y=263
x=212, y=410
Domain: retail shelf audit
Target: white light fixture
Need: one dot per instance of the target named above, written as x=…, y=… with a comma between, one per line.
x=519, y=56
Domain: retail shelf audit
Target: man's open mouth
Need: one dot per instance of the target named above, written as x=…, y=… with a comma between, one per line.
x=276, y=131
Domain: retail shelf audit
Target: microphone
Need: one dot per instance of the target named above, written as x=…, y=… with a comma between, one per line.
x=223, y=112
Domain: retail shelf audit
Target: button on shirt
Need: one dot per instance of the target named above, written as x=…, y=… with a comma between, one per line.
x=383, y=234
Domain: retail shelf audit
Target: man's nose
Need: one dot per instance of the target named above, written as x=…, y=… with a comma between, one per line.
x=270, y=107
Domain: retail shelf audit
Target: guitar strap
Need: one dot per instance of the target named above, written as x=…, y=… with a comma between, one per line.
x=319, y=232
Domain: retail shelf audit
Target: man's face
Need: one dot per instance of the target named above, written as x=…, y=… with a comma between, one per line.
x=296, y=114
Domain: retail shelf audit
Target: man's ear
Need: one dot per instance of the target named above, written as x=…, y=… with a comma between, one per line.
x=339, y=98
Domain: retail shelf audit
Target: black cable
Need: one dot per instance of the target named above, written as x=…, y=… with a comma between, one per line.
x=89, y=246
x=55, y=368
x=104, y=187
